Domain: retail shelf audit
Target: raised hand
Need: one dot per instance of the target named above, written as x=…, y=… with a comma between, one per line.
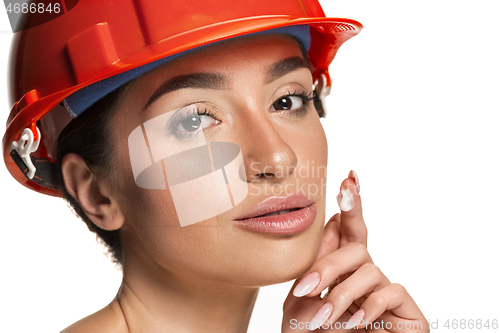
x=359, y=295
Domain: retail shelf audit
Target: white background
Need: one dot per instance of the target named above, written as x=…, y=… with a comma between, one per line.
x=414, y=110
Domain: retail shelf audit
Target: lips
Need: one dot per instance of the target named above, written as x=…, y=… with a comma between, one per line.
x=280, y=212
x=276, y=204
x=279, y=215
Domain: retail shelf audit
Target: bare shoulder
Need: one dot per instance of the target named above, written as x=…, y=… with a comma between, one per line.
x=109, y=319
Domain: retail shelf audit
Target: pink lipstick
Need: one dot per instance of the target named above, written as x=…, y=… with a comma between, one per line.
x=279, y=215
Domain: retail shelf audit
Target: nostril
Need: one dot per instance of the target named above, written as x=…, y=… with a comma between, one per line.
x=259, y=176
x=265, y=175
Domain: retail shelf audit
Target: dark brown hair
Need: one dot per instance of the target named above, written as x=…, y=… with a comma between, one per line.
x=88, y=135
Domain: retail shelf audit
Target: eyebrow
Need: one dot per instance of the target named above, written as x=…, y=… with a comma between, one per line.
x=286, y=66
x=194, y=80
x=220, y=82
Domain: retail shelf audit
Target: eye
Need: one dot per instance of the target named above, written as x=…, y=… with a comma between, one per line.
x=296, y=103
x=190, y=121
x=289, y=102
x=196, y=122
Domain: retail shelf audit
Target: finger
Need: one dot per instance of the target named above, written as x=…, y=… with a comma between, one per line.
x=395, y=298
x=329, y=243
x=360, y=301
x=300, y=311
x=291, y=299
x=331, y=237
x=367, y=279
x=352, y=225
x=352, y=309
x=326, y=270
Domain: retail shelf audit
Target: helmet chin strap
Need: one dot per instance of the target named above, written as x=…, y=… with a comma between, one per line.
x=24, y=147
x=321, y=90
x=37, y=169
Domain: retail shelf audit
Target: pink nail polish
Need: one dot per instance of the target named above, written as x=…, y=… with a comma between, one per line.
x=321, y=316
x=356, y=319
x=307, y=284
x=354, y=176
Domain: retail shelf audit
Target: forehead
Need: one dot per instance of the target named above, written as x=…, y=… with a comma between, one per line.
x=244, y=63
x=243, y=53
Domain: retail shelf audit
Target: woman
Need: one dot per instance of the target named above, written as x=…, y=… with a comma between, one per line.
x=194, y=255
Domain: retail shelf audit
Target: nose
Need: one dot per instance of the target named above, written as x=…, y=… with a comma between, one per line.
x=266, y=153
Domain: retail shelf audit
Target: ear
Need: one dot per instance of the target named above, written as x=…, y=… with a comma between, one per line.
x=93, y=195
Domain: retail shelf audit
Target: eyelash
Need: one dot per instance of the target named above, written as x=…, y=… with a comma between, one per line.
x=195, y=111
x=198, y=111
x=205, y=112
x=307, y=99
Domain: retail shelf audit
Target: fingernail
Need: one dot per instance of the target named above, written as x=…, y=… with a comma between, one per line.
x=356, y=319
x=345, y=199
x=307, y=284
x=354, y=176
x=321, y=316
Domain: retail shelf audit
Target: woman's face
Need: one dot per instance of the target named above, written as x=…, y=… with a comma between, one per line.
x=254, y=92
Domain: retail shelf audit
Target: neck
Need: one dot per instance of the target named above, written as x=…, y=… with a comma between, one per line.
x=169, y=301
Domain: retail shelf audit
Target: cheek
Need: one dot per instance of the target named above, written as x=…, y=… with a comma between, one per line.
x=318, y=144
x=139, y=203
x=308, y=140
x=152, y=233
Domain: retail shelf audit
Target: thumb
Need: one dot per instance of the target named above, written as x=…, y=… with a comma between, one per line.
x=352, y=224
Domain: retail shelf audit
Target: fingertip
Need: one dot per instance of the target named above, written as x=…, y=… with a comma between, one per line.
x=350, y=184
x=348, y=197
x=357, y=319
x=353, y=175
x=307, y=284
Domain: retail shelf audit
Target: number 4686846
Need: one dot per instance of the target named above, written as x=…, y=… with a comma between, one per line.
x=33, y=8
x=471, y=324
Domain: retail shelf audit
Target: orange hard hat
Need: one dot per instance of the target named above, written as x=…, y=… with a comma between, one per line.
x=97, y=39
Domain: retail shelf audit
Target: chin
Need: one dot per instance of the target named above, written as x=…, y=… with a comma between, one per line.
x=268, y=260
